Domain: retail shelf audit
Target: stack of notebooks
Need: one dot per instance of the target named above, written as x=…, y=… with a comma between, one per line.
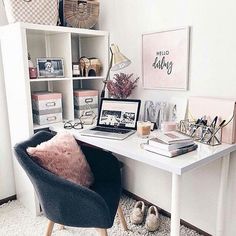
x=170, y=144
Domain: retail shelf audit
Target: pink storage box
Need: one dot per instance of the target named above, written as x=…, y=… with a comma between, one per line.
x=85, y=103
x=47, y=107
x=211, y=107
x=46, y=100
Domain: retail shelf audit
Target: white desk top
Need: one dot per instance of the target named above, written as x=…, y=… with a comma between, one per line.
x=130, y=148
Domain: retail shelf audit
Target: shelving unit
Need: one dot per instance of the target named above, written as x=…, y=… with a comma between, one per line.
x=44, y=41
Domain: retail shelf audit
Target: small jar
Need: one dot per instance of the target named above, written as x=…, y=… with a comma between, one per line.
x=75, y=69
x=33, y=73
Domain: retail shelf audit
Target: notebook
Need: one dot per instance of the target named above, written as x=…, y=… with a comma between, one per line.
x=117, y=119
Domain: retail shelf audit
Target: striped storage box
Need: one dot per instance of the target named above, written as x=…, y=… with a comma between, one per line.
x=85, y=103
x=47, y=107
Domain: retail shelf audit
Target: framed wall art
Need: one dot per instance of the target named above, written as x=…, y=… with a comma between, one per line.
x=165, y=59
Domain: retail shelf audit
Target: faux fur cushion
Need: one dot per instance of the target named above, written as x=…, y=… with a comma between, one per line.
x=62, y=156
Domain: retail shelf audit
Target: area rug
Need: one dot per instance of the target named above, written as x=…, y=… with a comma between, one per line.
x=15, y=220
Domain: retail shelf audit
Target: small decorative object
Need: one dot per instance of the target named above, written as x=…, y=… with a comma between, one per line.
x=94, y=67
x=166, y=59
x=90, y=66
x=33, y=73
x=122, y=85
x=75, y=69
x=84, y=65
x=79, y=14
x=155, y=112
x=50, y=67
x=32, y=69
x=144, y=128
x=32, y=11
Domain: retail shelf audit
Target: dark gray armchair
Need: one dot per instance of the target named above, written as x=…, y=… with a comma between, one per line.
x=69, y=204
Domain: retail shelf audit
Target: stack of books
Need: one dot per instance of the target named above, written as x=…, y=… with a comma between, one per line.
x=170, y=144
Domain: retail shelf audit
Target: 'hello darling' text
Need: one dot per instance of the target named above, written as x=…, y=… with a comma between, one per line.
x=161, y=63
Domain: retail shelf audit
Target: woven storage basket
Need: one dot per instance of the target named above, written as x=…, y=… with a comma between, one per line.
x=81, y=14
x=43, y=12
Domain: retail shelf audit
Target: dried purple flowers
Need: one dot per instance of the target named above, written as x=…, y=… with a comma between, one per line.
x=121, y=86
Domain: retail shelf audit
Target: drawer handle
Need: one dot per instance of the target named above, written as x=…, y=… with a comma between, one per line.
x=51, y=118
x=88, y=113
x=88, y=100
x=50, y=104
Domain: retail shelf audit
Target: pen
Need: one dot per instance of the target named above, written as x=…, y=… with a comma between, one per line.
x=216, y=130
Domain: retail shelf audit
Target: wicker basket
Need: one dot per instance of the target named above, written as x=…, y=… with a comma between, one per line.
x=32, y=11
x=81, y=14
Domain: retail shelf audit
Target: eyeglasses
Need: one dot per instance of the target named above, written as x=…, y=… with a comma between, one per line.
x=70, y=125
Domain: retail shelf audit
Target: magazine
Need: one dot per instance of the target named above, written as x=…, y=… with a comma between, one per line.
x=173, y=153
x=156, y=142
x=173, y=137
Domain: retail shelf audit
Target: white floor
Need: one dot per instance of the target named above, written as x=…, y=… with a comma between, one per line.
x=15, y=220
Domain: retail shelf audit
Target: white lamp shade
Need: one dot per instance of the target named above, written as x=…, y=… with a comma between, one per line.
x=119, y=61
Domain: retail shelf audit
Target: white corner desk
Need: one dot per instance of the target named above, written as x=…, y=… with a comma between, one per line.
x=130, y=148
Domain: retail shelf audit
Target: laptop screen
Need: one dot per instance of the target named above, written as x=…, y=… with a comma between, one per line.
x=122, y=113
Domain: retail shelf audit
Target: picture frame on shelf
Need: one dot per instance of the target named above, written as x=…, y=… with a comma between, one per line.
x=165, y=59
x=49, y=67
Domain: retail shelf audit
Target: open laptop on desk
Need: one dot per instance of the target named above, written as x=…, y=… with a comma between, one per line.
x=117, y=119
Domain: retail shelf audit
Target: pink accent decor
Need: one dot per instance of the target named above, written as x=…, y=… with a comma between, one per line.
x=85, y=93
x=45, y=96
x=62, y=156
x=165, y=59
x=211, y=107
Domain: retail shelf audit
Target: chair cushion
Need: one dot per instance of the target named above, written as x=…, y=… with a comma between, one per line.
x=62, y=156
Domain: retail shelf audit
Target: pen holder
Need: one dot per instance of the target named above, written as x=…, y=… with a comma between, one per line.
x=201, y=133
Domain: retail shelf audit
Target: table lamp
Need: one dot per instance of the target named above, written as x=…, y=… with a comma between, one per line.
x=118, y=61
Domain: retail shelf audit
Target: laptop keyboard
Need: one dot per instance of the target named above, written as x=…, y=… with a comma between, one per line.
x=111, y=130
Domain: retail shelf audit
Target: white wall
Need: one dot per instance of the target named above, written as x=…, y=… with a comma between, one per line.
x=212, y=73
x=7, y=187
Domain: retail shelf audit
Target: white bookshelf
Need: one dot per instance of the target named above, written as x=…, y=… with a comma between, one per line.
x=44, y=41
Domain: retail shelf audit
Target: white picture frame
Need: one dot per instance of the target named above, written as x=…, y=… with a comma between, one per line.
x=165, y=59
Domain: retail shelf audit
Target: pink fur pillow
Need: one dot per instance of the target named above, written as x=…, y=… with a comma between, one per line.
x=62, y=156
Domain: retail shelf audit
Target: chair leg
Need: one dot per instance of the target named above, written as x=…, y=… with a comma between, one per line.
x=102, y=232
x=122, y=218
x=49, y=228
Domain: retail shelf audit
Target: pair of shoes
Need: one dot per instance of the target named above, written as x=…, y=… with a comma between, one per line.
x=152, y=220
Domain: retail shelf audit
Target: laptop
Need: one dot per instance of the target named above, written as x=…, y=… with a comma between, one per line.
x=117, y=119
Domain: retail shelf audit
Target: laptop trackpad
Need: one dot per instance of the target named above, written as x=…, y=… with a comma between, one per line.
x=104, y=133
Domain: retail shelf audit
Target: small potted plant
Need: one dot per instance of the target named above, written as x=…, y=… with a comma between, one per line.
x=121, y=86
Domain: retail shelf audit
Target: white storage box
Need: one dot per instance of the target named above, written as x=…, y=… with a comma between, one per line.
x=47, y=107
x=85, y=103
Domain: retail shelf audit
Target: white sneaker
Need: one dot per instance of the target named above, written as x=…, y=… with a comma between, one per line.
x=138, y=213
x=152, y=220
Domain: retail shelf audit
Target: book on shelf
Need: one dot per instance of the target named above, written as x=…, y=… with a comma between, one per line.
x=156, y=142
x=173, y=137
x=173, y=153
